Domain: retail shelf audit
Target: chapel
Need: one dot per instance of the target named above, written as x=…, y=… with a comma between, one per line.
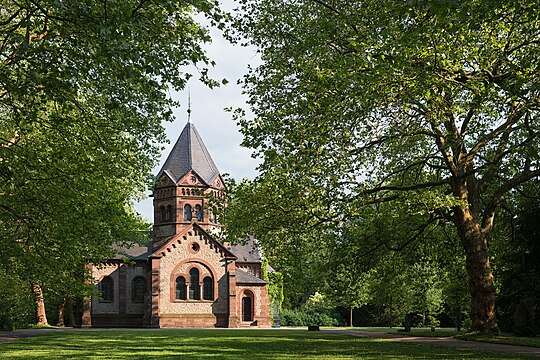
x=184, y=276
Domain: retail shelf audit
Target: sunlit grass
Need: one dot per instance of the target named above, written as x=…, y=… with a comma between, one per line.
x=503, y=339
x=223, y=344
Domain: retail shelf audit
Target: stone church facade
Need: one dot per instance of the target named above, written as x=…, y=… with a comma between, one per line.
x=184, y=277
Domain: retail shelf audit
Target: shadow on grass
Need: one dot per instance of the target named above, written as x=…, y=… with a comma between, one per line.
x=223, y=344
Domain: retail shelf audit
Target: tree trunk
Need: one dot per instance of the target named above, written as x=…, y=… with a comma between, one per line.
x=481, y=288
x=408, y=322
x=351, y=317
x=458, y=319
x=70, y=314
x=60, y=314
x=40, y=315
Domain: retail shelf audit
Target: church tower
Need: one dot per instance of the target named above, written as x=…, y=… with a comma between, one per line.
x=186, y=187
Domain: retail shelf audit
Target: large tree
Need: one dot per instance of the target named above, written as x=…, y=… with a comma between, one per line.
x=433, y=104
x=84, y=89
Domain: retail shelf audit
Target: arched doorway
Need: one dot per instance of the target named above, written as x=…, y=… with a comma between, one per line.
x=247, y=306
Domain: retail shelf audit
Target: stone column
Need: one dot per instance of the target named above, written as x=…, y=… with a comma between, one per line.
x=234, y=321
x=154, y=310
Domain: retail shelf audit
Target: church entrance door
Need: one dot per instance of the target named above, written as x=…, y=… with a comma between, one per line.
x=247, y=306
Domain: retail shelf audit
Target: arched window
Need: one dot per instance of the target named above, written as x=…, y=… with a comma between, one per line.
x=168, y=213
x=208, y=288
x=247, y=306
x=187, y=212
x=162, y=213
x=180, y=288
x=194, y=287
x=106, y=286
x=198, y=212
x=138, y=290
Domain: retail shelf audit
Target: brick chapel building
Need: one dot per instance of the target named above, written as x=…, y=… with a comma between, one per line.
x=184, y=277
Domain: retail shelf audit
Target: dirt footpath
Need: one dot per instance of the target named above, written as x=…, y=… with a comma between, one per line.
x=24, y=333
x=445, y=341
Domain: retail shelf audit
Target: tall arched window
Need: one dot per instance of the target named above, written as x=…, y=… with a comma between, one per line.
x=106, y=286
x=187, y=212
x=208, y=288
x=138, y=289
x=180, y=288
x=194, y=287
x=198, y=212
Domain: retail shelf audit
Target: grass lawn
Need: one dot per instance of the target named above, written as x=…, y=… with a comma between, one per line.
x=223, y=344
x=503, y=339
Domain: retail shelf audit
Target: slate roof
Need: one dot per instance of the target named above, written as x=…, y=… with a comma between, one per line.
x=189, y=153
x=243, y=277
x=133, y=252
x=248, y=251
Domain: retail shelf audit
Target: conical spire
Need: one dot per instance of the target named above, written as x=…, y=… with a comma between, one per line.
x=189, y=153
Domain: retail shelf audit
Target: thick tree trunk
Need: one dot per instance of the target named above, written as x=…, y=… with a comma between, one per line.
x=458, y=319
x=70, y=313
x=40, y=315
x=408, y=322
x=481, y=288
x=60, y=314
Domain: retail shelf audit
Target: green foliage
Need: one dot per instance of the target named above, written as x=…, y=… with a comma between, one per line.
x=432, y=106
x=317, y=310
x=516, y=246
x=304, y=317
x=16, y=301
x=275, y=288
x=83, y=93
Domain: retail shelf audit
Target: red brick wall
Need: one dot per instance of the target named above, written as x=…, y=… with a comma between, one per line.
x=189, y=320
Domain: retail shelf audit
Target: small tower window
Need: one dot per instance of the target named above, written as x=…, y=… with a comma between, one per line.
x=187, y=212
x=198, y=212
x=162, y=213
x=168, y=213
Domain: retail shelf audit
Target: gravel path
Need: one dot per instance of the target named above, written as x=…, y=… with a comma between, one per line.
x=445, y=341
x=24, y=333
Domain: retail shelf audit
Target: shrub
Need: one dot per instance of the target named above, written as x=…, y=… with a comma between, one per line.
x=306, y=317
x=16, y=302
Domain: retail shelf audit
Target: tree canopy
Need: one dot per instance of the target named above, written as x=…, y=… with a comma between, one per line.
x=431, y=105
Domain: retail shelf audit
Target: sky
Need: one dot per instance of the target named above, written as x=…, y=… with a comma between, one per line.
x=215, y=125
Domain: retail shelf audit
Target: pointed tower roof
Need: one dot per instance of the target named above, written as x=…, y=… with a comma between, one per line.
x=189, y=153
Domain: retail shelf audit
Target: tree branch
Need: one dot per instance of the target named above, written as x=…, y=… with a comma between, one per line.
x=496, y=198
